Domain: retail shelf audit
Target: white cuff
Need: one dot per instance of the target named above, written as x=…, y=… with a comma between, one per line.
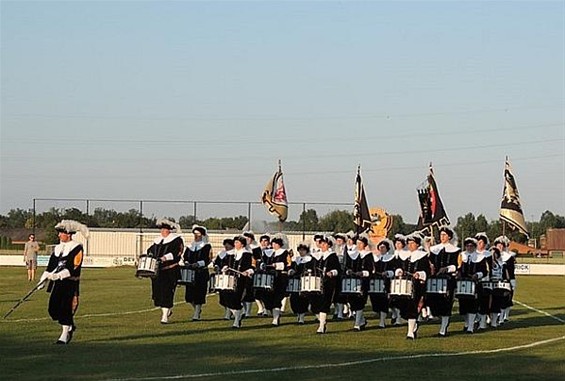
x=451, y=269
x=513, y=283
x=479, y=275
x=201, y=264
x=389, y=274
x=422, y=275
x=64, y=274
x=398, y=272
x=44, y=276
x=279, y=266
x=365, y=273
x=250, y=271
x=169, y=257
x=334, y=272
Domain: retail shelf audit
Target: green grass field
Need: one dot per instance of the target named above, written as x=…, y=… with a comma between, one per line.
x=119, y=337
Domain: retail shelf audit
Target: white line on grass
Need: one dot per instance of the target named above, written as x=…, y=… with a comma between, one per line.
x=540, y=311
x=337, y=365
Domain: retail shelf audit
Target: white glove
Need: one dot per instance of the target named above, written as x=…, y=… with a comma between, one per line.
x=54, y=276
x=291, y=272
x=225, y=269
x=513, y=283
x=279, y=266
x=40, y=284
x=398, y=272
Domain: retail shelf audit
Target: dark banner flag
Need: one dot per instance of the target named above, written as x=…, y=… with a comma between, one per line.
x=432, y=212
x=361, y=215
x=510, y=208
x=274, y=196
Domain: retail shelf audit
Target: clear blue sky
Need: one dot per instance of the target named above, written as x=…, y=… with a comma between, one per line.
x=198, y=100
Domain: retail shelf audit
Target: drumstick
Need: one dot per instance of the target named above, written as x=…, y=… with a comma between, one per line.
x=236, y=271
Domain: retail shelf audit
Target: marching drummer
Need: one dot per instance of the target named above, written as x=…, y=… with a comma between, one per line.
x=298, y=301
x=486, y=287
x=329, y=263
x=384, y=269
x=220, y=261
x=474, y=268
x=279, y=262
x=444, y=259
x=197, y=258
x=240, y=265
x=265, y=244
x=359, y=265
x=412, y=265
x=341, y=249
x=399, y=251
x=509, y=258
x=499, y=272
x=167, y=249
x=256, y=251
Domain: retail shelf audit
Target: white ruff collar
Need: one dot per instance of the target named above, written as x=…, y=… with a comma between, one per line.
x=449, y=248
x=417, y=255
x=166, y=239
x=64, y=248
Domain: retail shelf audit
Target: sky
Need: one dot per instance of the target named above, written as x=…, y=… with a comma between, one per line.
x=199, y=100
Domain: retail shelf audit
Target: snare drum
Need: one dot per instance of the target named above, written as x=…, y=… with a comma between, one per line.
x=436, y=286
x=311, y=284
x=263, y=281
x=186, y=275
x=377, y=286
x=465, y=289
x=501, y=288
x=351, y=286
x=225, y=282
x=147, y=267
x=293, y=285
x=487, y=287
x=402, y=288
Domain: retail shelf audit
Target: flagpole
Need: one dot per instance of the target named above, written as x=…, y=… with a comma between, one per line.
x=358, y=229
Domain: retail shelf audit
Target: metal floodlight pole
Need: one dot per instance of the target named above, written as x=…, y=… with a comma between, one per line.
x=249, y=214
x=303, y=221
x=33, y=220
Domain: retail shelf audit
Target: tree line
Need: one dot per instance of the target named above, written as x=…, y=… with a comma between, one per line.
x=309, y=221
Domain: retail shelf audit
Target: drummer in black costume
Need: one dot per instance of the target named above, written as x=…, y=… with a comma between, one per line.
x=499, y=271
x=340, y=249
x=360, y=265
x=265, y=244
x=197, y=258
x=385, y=264
x=509, y=258
x=299, y=302
x=474, y=267
x=243, y=263
x=328, y=263
x=220, y=261
x=413, y=264
x=444, y=259
x=249, y=296
x=399, y=248
x=279, y=262
x=167, y=249
x=484, y=294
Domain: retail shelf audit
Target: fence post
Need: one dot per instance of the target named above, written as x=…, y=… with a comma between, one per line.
x=303, y=221
x=140, y=216
x=194, y=212
x=33, y=220
x=249, y=215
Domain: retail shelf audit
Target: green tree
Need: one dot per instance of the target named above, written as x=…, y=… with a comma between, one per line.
x=309, y=220
x=337, y=221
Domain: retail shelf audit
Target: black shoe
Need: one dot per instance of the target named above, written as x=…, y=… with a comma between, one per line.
x=465, y=329
x=411, y=338
x=469, y=332
x=61, y=342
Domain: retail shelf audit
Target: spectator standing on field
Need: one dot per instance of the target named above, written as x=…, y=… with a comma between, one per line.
x=31, y=249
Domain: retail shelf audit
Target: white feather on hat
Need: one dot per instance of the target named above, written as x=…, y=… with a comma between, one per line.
x=71, y=227
x=503, y=240
x=172, y=225
x=482, y=235
x=282, y=237
x=200, y=228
